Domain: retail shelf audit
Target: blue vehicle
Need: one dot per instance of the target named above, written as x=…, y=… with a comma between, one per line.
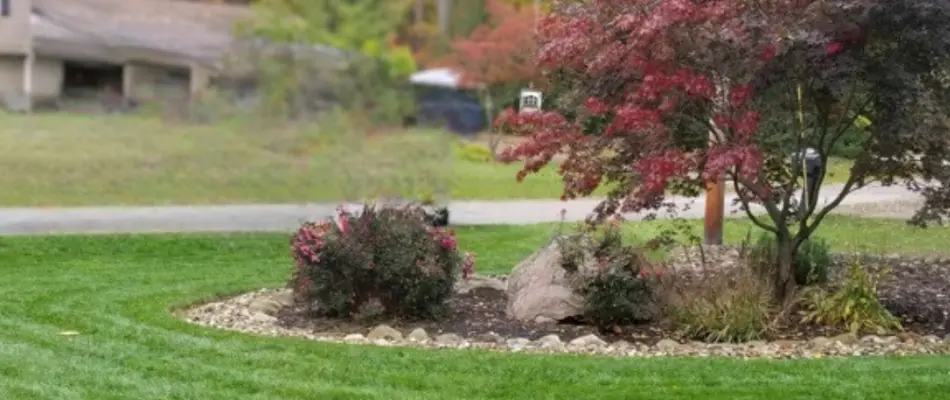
x=441, y=102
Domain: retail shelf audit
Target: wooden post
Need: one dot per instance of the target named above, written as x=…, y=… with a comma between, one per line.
x=716, y=189
x=715, y=211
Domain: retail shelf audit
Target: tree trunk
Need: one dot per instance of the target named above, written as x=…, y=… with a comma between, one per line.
x=418, y=21
x=418, y=12
x=444, y=16
x=784, y=274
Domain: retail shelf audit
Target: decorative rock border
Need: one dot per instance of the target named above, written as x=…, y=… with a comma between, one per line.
x=255, y=312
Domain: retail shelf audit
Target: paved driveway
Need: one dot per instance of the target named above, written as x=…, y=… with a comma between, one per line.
x=285, y=217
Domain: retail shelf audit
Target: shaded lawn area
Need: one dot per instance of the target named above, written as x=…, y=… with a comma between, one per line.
x=81, y=160
x=115, y=291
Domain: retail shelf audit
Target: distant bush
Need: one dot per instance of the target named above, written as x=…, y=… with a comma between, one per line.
x=614, y=279
x=473, y=152
x=387, y=257
x=812, y=260
x=853, y=306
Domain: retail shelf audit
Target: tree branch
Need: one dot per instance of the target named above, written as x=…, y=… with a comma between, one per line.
x=745, y=207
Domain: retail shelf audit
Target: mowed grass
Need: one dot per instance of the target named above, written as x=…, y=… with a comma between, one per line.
x=76, y=160
x=497, y=246
x=116, y=293
x=57, y=160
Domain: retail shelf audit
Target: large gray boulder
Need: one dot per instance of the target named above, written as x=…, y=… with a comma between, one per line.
x=540, y=289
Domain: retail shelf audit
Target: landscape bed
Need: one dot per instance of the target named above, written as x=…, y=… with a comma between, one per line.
x=75, y=305
x=917, y=292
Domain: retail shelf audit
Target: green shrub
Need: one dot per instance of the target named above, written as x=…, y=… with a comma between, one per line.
x=473, y=152
x=854, y=306
x=811, y=264
x=614, y=279
x=386, y=257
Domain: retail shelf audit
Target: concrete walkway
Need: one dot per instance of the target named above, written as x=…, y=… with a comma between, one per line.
x=286, y=217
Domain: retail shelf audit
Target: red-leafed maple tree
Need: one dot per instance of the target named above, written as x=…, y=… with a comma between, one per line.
x=657, y=97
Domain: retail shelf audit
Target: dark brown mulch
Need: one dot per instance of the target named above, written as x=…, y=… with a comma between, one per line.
x=917, y=292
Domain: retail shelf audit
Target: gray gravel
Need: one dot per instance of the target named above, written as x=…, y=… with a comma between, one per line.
x=254, y=313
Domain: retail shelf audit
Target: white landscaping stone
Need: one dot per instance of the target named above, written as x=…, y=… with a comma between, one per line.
x=418, y=335
x=588, y=340
x=384, y=332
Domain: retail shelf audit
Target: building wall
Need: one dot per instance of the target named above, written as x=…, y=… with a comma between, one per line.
x=11, y=82
x=151, y=81
x=11, y=74
x=47, y=80
x=15, y=37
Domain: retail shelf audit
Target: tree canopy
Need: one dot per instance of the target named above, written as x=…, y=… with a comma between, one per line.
x=644, y=84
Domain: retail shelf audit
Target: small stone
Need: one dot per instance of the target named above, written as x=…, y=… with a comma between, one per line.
x=819, y=341
x=517, y=344
x=785, y=343
x=447, y=339
x=490, y=337
x=284, y=298
x=544, y=320
x=667, y=345
x=418, y=335
x=931, y=339
x=262, y=318
x=481, y=285
x=890, y=339
x=265, y=306
x=552, y=342
x=873, y=339
x=846, y=338
x=621, y=345
x=588, y=340
x=354, y=337
x=756, y=344
x=909, y=337
x=384, y=332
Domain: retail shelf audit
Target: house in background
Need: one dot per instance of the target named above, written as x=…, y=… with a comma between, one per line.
x=53, y=49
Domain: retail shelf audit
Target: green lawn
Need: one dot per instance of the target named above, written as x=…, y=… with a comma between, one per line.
x=116, y=292
x=77, y=160
x=74, y=160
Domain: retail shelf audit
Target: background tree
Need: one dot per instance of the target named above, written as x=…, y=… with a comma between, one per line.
x=660, y=96
x=499, y=53
x=343, y=51
x=498, y=56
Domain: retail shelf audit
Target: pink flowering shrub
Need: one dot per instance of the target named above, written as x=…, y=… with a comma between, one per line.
x=384, y=254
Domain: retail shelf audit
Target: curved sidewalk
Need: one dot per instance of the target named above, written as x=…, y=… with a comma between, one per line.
x=285, y=217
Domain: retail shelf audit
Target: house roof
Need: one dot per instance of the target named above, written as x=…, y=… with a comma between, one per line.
x=111, y=29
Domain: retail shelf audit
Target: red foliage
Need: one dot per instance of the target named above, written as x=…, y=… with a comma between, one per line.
x=635, y=65
x=501, y=51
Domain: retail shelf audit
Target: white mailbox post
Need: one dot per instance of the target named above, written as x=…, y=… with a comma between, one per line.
x=529, y=101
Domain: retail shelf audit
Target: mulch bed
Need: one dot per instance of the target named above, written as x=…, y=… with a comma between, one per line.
x=917, y=292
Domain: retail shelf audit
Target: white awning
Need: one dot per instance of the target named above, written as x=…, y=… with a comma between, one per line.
x=441, y=77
